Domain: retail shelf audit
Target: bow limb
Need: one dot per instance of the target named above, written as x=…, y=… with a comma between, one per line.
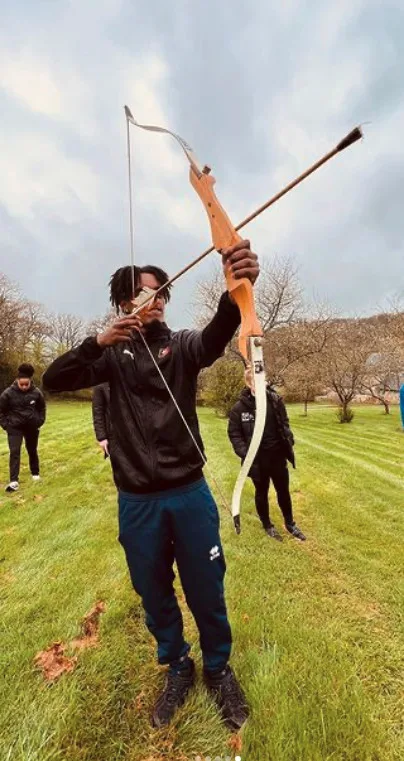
x=224, y=236
x=260, y=416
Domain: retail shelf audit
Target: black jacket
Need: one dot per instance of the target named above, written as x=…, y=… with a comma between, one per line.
x=242, y=420
x=22, y=409
x=101, y=412
x=150, y=448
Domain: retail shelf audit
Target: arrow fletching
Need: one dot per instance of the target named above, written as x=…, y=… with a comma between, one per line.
x=352, y=137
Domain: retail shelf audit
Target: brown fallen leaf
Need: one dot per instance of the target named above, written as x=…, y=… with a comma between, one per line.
x=91, y=621
x=139, y=701
x=235, y=743
x=53, y=663
x=89, y=628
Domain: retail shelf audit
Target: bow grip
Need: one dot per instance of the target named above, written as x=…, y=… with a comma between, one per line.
x=224, y=236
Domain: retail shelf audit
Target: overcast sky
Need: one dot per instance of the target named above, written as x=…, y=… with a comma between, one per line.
x=259, y=89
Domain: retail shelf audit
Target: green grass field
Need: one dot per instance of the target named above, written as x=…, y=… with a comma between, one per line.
x=318, y=627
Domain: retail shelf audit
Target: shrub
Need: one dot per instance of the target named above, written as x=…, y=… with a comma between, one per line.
x=345, y=414
x=222, y=384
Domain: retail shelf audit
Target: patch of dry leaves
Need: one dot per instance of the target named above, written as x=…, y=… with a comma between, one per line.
x=53, y=662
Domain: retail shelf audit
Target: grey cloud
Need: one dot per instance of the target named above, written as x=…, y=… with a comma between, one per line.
x=231, y=67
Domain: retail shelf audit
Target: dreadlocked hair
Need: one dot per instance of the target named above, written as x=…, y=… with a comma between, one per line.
x=121, y=283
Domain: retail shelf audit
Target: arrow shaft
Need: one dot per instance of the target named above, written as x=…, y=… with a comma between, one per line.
x=353, y=136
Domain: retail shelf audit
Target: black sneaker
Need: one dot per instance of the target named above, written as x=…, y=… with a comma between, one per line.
x=177, y=686
x=295, y=531
x=229, y=698
x=271, y=531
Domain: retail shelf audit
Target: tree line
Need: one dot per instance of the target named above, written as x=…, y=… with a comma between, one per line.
x=310, y=351
x=29, y=333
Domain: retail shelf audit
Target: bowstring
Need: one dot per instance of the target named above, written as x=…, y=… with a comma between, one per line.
x=131, y=234
x=177, y=407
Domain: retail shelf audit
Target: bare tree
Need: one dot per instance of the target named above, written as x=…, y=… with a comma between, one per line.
x=11, y=304
x=67, y=332
x=99, y=324
x=24, y=331
x=395, y=326
x=303, y=379
x=278, y=297
x=278, y=294
x=385, y=366
x=207, y=295
x=35, y=328
x=307, y=380
x=345, y=361
x=293, y=351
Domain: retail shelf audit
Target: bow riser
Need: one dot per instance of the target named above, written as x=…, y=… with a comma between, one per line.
x=224, y=236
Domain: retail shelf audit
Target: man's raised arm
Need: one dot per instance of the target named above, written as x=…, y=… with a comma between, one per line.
x=87, y=364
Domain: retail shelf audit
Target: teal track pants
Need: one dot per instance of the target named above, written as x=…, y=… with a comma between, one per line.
x=179, y=525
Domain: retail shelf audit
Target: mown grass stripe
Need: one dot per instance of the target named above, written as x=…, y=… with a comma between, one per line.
x=318, y=633
x=374, y=469
x=325, y=438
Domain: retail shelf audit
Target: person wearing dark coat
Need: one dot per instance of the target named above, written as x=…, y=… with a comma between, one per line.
x=270, y=463
x=102, y=416
x=166, y=510
x=22, y=413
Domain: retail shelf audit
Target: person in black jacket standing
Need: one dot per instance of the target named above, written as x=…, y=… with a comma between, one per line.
x=166, y=510
x=270, y=463
x=102, y=416
x=22, y=413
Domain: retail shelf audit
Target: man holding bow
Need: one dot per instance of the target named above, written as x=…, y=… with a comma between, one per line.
x=166, y=509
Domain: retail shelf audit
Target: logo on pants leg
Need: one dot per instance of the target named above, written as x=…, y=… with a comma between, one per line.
x=214, y=553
